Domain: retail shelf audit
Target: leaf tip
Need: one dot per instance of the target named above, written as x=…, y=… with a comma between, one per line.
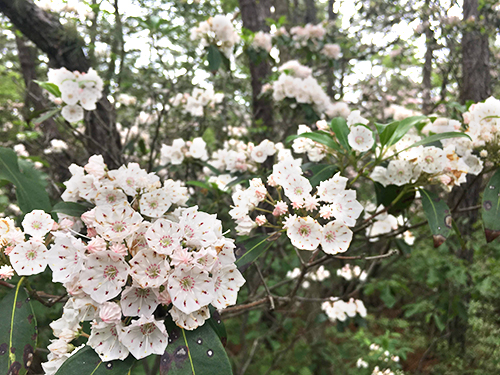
x=491, y=235
x=438, y=240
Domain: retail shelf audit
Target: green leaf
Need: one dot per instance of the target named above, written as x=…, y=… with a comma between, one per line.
x=197, y=352
x=387, y=296
x=386, y=195
x=250, y=249
x=18, y=332
x=394, y=131
x=199, y=184
x=438, y=215
x=402, y=246
x=316, y=173
x=70, y=208
x=217, y=325
x=30, y=191
x=438, y=137
x=490, y=210
x=341, y=130
x=45, y=116
x=214, y=58
x=50, y=87
x=211, y=167
x=87, y=362
x=318, y=136
x=439, y=322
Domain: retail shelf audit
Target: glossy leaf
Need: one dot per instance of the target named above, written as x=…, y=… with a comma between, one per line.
x=438, y=137
x=45, y=116
x=87, y=362
x=18, y=332
x=250, y=249
x=394, y=131
x=70, y=208
x=214, y=58
x=320, y=137
x=50, y=87
x=491, y=207
x=30, y=191
x=438, y=216
x=316, y=173
x=341, y=130
x=386, y=195
x=198, y=352
x=217, y=325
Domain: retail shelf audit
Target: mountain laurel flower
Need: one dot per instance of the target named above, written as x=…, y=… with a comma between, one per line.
x=336, y=238
x=37, y=223
x=144, y=337
x=110, y=312
x=304, y=233
x=6, y=272
x=105, y=340
x=29, y=258
x=360, y=138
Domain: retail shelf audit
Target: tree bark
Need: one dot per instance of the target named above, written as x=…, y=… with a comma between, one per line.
x=310, y=12
x=475, y=57
x=427, y=69
x=253, y=14
x=64, y=49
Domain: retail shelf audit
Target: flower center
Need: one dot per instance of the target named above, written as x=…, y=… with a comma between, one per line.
x=118, y=227
x=166, y=241
x=111, y=198
x=330, y=237
x=36, y=225
x=31, y=255
x=153, y=271
x=142, y=293
x=153, y=204
x=110, y=272
x=359, y=139
x=429, y=159
x=148, y=328
x=298, y=190
x=304, y=231
x=188, y=231
x=187, y=283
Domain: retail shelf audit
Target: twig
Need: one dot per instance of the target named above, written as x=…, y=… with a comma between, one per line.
x=271, y=301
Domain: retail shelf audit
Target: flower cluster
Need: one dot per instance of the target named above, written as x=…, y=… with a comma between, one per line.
x=262, y=40
x=320, y=275
x=79, y=91
x=331, y=51
x=329, y=200
x=139, y=248
x=198, y=100
x=218, y=31
x=180, y=149
x=308, y=32
x=483, y=122
x=336, y=309
x=348, y=272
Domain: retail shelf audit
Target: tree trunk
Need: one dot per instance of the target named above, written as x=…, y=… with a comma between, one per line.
x=64, y=49
x=475, y=57
x=310, y=12
x=253, y=14
x=427, y=69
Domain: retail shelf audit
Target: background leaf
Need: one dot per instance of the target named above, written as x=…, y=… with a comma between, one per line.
x=491, y=207
x=87, y=362
x=18, y=332
x=320, y=137
x=438, y=137
x=30, y=191
x=70, y=208
x=198, y=352
x=250, y=249
x=316, y=173
x=214, y=58
x=341, y=130
x=394, y=131
x=438, y=215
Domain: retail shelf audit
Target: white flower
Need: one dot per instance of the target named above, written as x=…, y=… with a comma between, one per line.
x=228, y=281
x=114, y=223
x=137, y=301
x=72, y=113
x=190, y=321
x=104, y=276
x=432, y=159
x=164, y=236
x=149, y=269
x=107, y=195
x=110, y=312
x=399, y=172
x=29, y=258
x=346, y=208
x=65, y=257
x=304, y=233
x=104, y=339
x=327, y=190
x=190, y=288
x=145, y=336
x=37, y=223
x=198, y=149
x=155, y=203
x=336, y=238
x=6, y=272
x=96, y=166
x=360, y=138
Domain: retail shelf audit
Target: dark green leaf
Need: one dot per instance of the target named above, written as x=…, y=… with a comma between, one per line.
x=402, y=246
x=18, y=332
x=491, y=207
x=438, y=215
x=217, y=325
x=387, y=296
x=438, y=137
x=316, y=173
x=70, y=208
x=386, y=195
x=318, y=136
x=211, y=167
x=214, y=58
x=250, y=249
x=198, y=352
x=199, y=184
x=439, y=322
x=45, y=116
x=30, y=192
x=50, y=87
x=87, y=362
x=341, y=130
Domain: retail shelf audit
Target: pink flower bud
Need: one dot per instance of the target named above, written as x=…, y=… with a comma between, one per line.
x=96, y=244
x=119, y=249
x=110, y=312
